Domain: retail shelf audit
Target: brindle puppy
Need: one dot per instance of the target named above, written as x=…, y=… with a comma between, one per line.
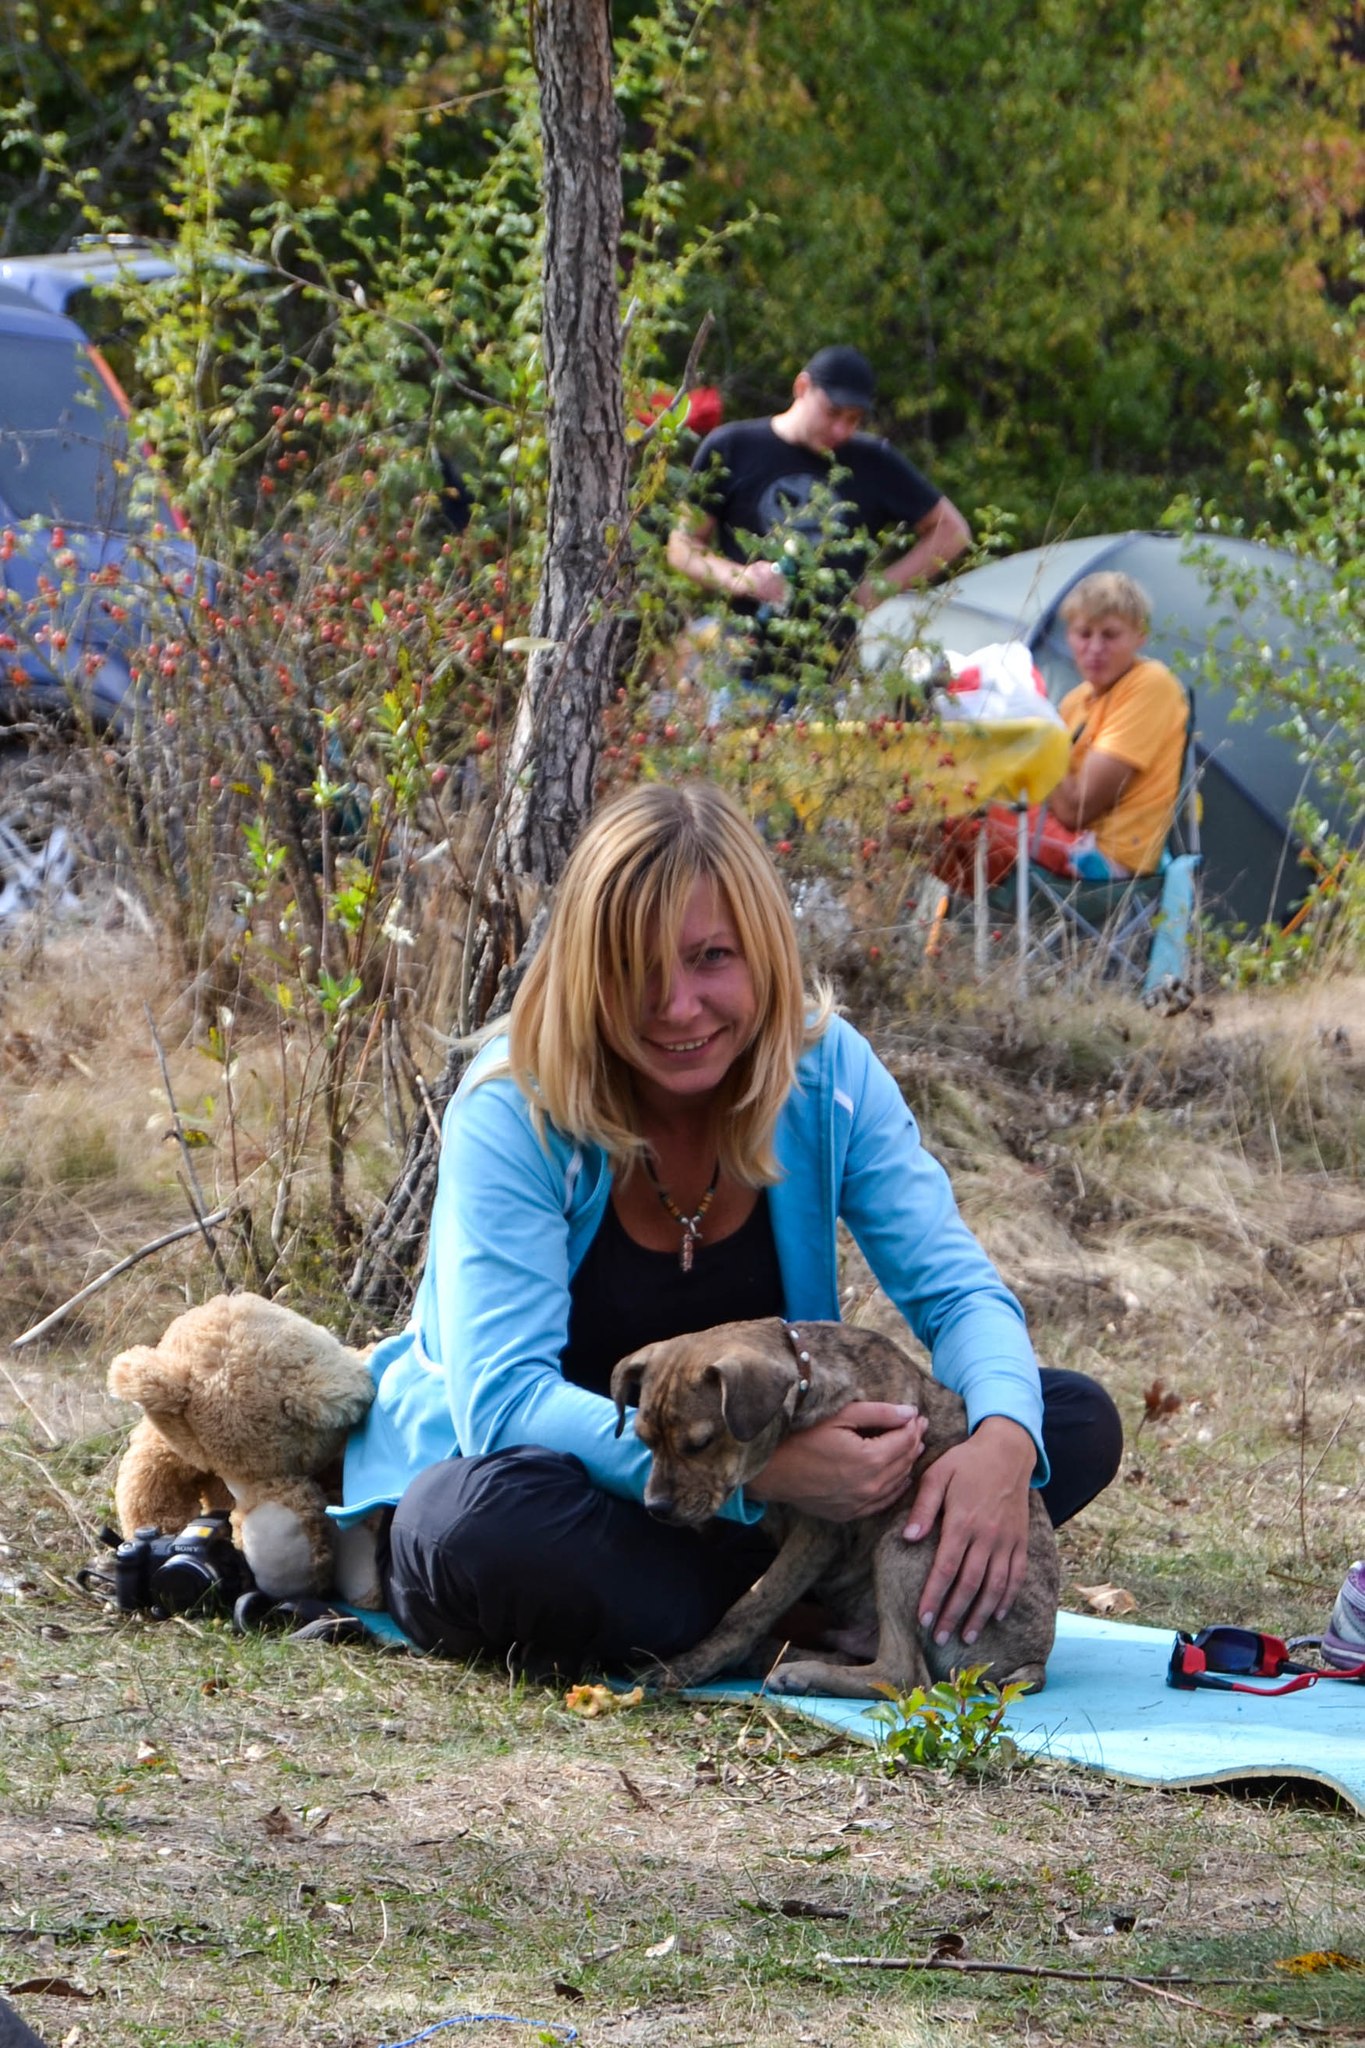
x=713, y=1408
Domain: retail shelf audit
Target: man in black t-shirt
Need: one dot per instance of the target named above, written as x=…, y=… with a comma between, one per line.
x=823, y=493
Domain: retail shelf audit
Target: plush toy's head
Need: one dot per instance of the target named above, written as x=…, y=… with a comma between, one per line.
x=245, y=1388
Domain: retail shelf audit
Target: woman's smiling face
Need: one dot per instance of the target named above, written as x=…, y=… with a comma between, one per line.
x=698, y=1018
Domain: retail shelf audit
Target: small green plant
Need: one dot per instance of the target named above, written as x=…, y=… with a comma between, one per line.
x=955, y=1725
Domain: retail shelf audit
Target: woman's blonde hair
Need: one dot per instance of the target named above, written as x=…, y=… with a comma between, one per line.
x=574, y=1031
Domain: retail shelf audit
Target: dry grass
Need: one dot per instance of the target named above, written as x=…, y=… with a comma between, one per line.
x=207, y=1841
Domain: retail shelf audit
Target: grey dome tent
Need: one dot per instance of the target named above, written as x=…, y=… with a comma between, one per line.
x=1250, y=777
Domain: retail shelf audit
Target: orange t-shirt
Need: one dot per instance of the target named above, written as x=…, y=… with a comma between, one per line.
x=1140, y=720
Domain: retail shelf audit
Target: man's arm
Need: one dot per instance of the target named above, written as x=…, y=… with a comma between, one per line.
x=690, y=552
x=942, y=535
x=1088, y=792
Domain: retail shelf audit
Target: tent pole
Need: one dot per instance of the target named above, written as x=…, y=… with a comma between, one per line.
x=1021, y=877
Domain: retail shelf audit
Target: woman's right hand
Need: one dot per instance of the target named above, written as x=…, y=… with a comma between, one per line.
x=851, y=1464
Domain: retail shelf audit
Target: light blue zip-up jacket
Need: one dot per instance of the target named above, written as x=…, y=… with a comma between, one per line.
x=477, y=1369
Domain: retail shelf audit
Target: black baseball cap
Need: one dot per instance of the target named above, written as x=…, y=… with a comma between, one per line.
x=845, y=377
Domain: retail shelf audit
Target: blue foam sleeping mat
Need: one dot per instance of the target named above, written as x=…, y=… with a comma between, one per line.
x=1107, y=1707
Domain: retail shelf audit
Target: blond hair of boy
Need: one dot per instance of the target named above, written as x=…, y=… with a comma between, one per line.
x=1108, y=591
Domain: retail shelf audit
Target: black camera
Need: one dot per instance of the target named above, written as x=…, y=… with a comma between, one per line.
x=198, y=1570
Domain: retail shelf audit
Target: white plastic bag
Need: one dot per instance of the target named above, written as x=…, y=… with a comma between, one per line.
x=997, y=682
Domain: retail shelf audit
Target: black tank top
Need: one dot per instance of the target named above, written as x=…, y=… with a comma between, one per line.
x=624, y=1295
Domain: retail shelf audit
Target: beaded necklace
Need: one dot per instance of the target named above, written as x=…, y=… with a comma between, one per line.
x=690, y=1225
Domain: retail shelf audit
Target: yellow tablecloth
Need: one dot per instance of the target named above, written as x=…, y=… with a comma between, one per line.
x=930, y=771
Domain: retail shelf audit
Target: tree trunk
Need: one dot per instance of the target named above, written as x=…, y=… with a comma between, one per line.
x=552, y=761
x=557, y=733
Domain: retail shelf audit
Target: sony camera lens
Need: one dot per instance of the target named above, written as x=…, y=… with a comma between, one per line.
x=198, y=1568
x=182, y=1583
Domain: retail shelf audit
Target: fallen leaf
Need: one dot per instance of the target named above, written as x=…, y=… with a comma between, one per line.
x=664, y=1947
x=1108, y=1599
x=562, y=1988
x=592, y=1700
x=1318, y=1959
x=1159, y=1401
x=278, y=1822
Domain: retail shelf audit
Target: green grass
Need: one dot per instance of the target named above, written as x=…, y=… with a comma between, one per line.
x=290, y=1843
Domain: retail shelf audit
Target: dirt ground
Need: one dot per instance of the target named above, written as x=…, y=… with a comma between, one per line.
x=205, y=1840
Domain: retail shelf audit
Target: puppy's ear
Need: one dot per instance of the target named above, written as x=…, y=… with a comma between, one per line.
x=627, y=1377
x=752, y=1392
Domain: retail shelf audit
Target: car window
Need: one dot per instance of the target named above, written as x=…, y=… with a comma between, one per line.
x=63, y=443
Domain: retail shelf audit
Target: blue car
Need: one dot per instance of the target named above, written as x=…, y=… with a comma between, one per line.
x=86, y=547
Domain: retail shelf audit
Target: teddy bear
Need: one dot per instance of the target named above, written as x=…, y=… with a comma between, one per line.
x=246, y=1405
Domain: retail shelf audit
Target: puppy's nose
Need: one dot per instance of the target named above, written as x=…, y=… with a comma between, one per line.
x=662, y=1509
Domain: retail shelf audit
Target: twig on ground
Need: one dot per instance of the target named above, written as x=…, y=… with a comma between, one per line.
x=971, y=1966
x=1155, y=1987
x=200, y=1224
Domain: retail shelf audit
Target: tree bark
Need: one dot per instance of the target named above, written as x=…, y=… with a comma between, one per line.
x=552, y=761
x=557, y=733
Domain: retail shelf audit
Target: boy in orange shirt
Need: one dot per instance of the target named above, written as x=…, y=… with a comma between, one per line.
x=1127, y=722
x=1109, y=816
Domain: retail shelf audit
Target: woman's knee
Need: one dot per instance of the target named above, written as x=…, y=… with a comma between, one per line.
x=490, y=1512
x=468, y=1538
x=1083, y=1437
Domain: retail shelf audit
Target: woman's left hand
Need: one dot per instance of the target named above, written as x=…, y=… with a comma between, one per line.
x=978, y=1493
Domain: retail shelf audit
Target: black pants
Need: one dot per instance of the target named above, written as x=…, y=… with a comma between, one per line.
x=519, y=1556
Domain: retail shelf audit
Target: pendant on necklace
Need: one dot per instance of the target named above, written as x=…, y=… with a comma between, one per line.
x=689, y=1225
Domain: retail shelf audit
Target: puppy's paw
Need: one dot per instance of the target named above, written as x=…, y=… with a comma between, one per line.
x=806, y=1675
x=1033, y=1677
